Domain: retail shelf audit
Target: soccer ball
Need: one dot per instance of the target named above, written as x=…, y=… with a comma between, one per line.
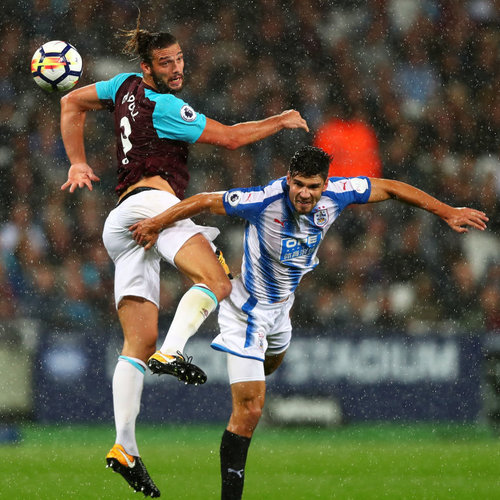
x=56, y=66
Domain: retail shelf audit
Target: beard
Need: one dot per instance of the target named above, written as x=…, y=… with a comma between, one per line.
x=163, y=87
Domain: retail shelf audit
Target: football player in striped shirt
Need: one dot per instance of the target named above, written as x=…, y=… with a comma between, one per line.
x=285, y=223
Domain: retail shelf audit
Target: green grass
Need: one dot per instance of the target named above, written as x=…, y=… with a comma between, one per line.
x=384, y=461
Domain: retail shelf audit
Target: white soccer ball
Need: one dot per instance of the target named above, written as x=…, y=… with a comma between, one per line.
x=56, y=66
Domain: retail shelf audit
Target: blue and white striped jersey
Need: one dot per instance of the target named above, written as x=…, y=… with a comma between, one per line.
x=280, y=245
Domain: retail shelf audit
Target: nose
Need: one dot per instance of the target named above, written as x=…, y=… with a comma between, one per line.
x=178, y=66
x=304, y=193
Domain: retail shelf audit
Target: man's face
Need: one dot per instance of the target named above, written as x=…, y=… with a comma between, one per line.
x=305, y=192
x=166, y=72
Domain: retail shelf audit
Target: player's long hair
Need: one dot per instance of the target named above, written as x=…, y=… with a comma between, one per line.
x=141, y=43
x=309, y=161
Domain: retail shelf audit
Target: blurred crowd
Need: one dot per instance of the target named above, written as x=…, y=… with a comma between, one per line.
x=423, y=78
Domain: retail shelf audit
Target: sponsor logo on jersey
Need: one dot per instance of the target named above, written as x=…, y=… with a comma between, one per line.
x=188, y=114
x=292, y=248
x=234, y=197
x=321, y=218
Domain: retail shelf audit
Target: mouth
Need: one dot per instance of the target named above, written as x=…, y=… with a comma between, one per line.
x=303, y=203
x=176, y=81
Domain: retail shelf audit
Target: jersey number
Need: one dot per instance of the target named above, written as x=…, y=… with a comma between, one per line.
x=126, y=130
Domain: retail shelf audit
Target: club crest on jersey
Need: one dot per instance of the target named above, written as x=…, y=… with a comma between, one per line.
x=321, y=218
x=188, y=114
x=261, y=341
x=234, y=197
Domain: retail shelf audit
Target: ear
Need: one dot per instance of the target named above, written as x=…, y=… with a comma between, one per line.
x=288, y=178
x=146, y=68
x=325, y=185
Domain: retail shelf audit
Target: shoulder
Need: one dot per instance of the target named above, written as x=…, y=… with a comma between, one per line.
x=165, y=101
x=257, y=194
x=107, y=89
x=171, y=105
x=253, y=199
x=175, y=119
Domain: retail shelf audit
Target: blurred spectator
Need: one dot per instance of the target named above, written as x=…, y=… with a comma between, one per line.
x=461, y=297
x=352, y=143
x=490, y=300
x=393, y=88
x=8, y=303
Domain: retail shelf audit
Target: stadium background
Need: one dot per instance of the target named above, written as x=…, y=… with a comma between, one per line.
x=396, y=291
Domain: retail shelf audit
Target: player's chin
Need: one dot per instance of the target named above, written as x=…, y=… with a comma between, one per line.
x=304, y=208
x=175, y=87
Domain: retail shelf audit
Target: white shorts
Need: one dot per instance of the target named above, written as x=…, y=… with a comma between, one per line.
x=252, y=329
x=137, y=271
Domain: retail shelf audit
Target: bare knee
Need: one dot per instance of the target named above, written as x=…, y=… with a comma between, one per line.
x=221, y=288
x=245, y=417
x=138, y=349
x=218, y=283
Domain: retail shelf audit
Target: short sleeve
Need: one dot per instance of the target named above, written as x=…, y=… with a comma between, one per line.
x=348, y=190
x=248, y=203
x=107, y=89
x=175, y=119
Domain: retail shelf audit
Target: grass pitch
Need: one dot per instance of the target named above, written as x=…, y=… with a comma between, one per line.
x=387, y=461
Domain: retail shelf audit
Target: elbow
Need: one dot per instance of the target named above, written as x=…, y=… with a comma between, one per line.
x=64, y=101
x=233, y=139
x=68, y=102
x=232, y=143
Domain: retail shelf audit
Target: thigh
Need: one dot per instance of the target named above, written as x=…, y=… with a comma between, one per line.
x=279, y=338
x=242, y=332
x=179, y=236
x=240, y=369
x=272, y=362
x=196, y=259
x=137, y=271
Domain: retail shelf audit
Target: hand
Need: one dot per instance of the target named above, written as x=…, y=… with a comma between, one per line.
x=80, y=175
x=145, y=233
x=292, y=119
x=459, y=218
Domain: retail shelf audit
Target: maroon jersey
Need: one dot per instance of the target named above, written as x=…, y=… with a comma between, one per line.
x=153, y=131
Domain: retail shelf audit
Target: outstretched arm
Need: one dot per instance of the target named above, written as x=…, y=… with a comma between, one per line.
x=241, y=134
x=457, y=218
x=146, y=231
x=74, y=107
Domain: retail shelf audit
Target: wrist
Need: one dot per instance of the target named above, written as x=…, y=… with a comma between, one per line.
x=78, y=163
x=157, y=225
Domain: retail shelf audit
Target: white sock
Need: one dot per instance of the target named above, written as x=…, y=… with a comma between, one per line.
x=128, y=381
x=193, y=309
